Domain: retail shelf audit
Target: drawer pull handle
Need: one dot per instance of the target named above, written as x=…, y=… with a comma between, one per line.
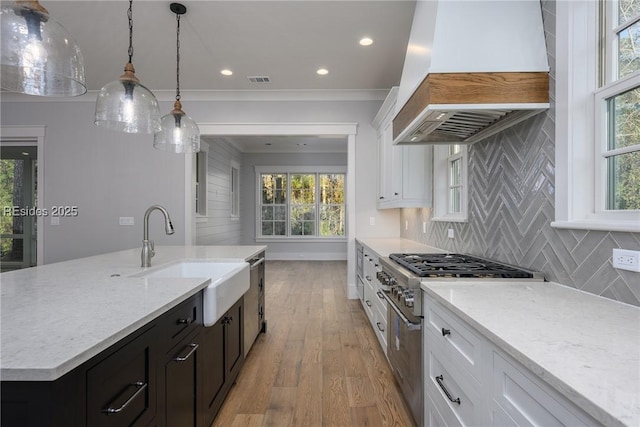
x=378, y=324
x=439, y=380
x=379, y=293
x=186, y=321
x=194, y=347
x=446, y=332
x=368, y=303
x=141, y=386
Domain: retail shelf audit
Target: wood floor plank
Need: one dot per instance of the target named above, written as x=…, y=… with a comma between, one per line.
x=281, y=407
x=319, y=363
x=248, y=420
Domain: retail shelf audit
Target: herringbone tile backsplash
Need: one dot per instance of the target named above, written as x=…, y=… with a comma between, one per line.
x=511, y=207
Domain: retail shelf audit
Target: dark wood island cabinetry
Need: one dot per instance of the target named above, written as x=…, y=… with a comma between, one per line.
x=171, y=372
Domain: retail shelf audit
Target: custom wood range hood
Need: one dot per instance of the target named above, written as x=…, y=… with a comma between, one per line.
x=473, y=68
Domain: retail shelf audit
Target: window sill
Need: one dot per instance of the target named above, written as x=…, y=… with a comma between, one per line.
x=308, y=239
x=624, y=226
x=200, y=218
x=450, y=219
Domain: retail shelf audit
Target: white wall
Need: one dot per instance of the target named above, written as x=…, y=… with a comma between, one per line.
x=218, y=228
x=110, y=174
x=286, y=250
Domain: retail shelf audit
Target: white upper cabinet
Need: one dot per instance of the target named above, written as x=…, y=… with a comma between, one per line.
x=404, y=172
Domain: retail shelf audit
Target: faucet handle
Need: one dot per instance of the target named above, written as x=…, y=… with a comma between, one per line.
x=151, y=246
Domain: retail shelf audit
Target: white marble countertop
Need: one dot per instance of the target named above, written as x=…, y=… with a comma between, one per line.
x=584, y=346
x=55, y=317
x=384, y=246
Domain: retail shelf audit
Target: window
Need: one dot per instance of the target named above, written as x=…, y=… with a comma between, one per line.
x=450, y=183
x=234, y=190
x=617, y=105
x=201, y=165
x=598, y=115
x=301, y=204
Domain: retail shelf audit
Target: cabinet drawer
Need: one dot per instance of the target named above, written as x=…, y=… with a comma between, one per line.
x=380, y=326
x=182, y=320
x=526, y=401
x=460, y=343
x=121, y=390
x=453, y=392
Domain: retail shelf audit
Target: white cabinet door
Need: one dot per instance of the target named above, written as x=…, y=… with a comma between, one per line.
x=524, y=399
x=405, y=173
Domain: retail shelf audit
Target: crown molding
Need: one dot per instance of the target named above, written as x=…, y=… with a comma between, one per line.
x=224, y=95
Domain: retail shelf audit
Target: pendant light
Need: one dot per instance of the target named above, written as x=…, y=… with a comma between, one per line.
x=178, y=133
x=126, y=105
x=38, y=56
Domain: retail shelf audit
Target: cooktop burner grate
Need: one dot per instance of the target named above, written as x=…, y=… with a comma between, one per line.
x=458, y=265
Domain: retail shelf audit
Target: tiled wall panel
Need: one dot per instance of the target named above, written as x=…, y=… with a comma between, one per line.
x=511, y=205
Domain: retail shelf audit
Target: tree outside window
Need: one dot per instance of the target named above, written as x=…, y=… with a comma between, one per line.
x=303, y=204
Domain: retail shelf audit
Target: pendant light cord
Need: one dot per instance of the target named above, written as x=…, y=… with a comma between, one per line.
x=130, y=16
x=178, y=58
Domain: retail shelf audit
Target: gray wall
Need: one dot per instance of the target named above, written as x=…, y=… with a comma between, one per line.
x=511, y=206
x=286, y=250
x=106, y=174
x=110, y=174
x=219, y=229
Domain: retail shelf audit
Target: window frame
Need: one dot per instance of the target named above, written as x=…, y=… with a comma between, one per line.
x=295, y=170
x=442, y=161
x=200, y=182
x=580, y=123
x=234, y=190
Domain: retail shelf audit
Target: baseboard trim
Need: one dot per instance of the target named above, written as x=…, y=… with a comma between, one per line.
x=312, y=256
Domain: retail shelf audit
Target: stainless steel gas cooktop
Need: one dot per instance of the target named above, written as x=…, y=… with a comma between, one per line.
x=459, y=265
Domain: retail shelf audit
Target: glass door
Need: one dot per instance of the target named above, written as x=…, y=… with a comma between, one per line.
x=18, y=190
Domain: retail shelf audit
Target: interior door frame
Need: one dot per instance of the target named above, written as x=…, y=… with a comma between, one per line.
x=349, y=130
x=29, y=136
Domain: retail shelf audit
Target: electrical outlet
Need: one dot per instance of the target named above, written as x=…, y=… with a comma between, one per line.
x=450, y=233
x=626, y=260
x=424, y=227
x=372, y=220
x=406, y=224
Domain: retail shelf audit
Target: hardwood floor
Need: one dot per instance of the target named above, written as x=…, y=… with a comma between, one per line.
x=319, y=364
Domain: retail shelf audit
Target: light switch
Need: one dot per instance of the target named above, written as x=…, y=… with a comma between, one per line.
x=450, y=233
x=126, y=220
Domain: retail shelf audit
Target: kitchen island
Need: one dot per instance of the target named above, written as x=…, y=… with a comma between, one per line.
x=63, y=317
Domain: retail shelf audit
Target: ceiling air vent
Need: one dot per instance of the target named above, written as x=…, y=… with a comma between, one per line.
x=259, y=79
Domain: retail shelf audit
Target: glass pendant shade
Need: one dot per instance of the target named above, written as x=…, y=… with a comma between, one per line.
x=38, y=56
x=178, y=134
x=127, y=106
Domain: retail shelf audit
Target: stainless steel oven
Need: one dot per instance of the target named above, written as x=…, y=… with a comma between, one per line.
x=400, y=277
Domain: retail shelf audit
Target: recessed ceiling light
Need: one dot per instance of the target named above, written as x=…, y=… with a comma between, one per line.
x=366, y=41
x=322, y=71
x=226, y=72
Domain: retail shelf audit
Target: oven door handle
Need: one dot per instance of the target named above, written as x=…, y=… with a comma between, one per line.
x=407, y=323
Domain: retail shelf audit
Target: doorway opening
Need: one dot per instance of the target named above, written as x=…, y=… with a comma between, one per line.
x=19, y=201
x=21, y=197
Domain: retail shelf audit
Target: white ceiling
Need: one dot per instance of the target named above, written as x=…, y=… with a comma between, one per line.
x=285, y=40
